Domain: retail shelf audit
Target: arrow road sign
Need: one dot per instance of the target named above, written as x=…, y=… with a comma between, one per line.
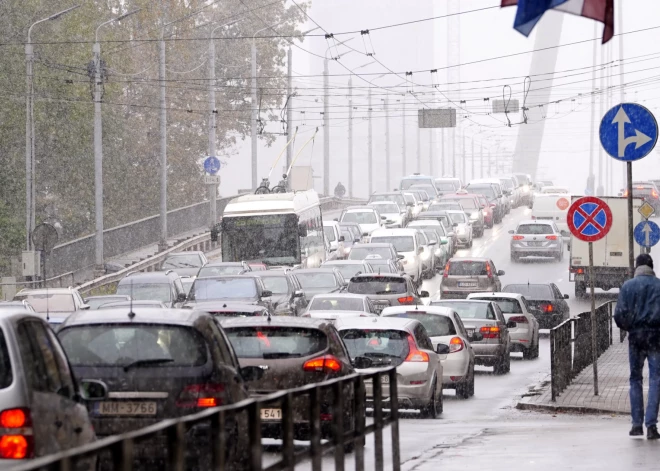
x=628, y=132
x=647, y=233
x=211, y=165
x=589, y=218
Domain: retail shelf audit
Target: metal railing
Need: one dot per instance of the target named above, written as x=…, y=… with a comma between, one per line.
x=119, y=450
x=571, y=348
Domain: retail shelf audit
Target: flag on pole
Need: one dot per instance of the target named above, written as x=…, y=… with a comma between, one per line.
x=530, y=12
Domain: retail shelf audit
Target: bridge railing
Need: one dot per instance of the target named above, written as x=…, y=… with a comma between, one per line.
x=229, y=447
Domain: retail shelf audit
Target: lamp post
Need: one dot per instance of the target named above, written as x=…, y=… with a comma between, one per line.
x=30, y=200
x=98, y=145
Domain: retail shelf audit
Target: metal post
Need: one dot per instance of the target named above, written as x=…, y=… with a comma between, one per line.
x=289, y=110
x=601, y=102
x=350, y=137
x=387, y=144
x=370, y=168
x=162, y=244
x=481, y=159
x=463, y=173
x=631, y=241
x=472, y=172
x=443, y=160
x=29, y=144
x=212, y=188
x=594, y=331
x=453, y=152
x=326, y=131
x=403, y=137
x=431, y=151
x=419, y=150
x=253, y=118
x=621, y=71
x=592, y=123
x=98, y=160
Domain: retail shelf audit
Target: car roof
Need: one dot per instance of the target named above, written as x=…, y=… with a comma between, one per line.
x=187, y=252
x=12, y=314
x=107, y=296
x=339, y=295
x=149, y=276
x=524, y=222
x=313, y=270
x=461, y=301
x=218, y=263
x=374, y=244
x=142, y=316
x=377, y=323
x=359, y=208
x=333, y=263
x=516, y=296
x=278, y=321
x=27, y=291
x=263, y=273
x=436, y=310
x=376, y=275
x=218, y=305
x=469, y=259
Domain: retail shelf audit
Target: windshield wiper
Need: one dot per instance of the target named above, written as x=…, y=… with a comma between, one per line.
x=148, y=361
x=276, y=355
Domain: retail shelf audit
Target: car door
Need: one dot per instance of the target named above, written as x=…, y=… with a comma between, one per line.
x=496, y=279
x=559, y=300
x=300, y=302
x=501, y=323
x=424, y=343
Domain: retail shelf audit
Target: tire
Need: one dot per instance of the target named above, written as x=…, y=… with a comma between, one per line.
x=514, y=258
x=560, y=256
x=536, y=347
x=471, y=392
x=528, y=353
x=469, y=246
x=465, y=389
x=503, y=366
x=580, y=289
x=433, y=409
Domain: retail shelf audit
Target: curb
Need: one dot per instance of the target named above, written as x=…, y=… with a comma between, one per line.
x=567, y=409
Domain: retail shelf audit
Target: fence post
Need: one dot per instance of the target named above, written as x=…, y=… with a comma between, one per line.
x=218, y=441
x=394, y=416
x=378, y=420
x=254, y=421
x=315, y=427
x=360, y=422
x=338, y=423
x=287, y=432
x=553, y=367
x=176, y=441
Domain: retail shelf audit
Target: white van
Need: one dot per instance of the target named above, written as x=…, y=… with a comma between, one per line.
x=553, y=207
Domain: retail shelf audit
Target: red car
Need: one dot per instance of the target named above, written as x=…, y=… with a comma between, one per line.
x=487, y=211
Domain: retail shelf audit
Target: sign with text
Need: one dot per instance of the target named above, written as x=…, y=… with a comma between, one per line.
x=437, y=118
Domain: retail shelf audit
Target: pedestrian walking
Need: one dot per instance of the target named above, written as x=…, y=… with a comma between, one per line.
x=638, y=313
x=340, y=190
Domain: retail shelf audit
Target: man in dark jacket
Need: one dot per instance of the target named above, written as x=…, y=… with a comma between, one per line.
x=638, y=313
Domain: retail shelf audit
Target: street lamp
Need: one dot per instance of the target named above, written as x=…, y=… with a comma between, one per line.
x=30, y=204
x=98, y=144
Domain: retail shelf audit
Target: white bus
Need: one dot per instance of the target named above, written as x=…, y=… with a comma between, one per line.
x=278, y=229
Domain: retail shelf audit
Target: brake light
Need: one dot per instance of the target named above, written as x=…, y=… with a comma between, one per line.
x=456, y=345
x=518, y=237
x=490, y=332
x=20, y=445
x=489, y=272
x=551, y=237
x=14, y=447
x=625, y=193
x=518, y=319
x=547, y=308
x=654, y=194
x=201, y=395
x=406, y=300
x=446, y=273
x=580, y=271
x=416, y=355
x=327, y=363
x=14, y=418
x=263, y=339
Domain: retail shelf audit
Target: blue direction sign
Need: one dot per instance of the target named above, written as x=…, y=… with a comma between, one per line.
x=647, y=233
x=211, y=165
x=628, y=132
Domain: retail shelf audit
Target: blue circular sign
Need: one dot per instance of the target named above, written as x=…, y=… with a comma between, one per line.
x=647, y=233
x=211, y=165
x=628, y=132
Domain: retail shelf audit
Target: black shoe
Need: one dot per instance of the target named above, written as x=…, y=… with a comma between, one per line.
x=636, y=431
x=652, y=433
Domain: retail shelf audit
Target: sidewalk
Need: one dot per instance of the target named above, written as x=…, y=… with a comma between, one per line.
x=613, y=373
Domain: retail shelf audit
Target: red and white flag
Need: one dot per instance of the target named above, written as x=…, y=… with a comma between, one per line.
x=530, y=12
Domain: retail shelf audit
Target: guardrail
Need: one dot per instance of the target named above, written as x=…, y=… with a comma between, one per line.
x=120, y=449
x=571, y=348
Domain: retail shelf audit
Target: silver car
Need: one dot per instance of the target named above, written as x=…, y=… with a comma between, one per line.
x=339, y=305
x=536, y=238
x=405, y=344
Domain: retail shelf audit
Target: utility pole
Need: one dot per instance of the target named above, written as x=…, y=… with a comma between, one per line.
x=442, y=153
x=453, y=152
x=350, y=137
x=431, y=170
x=464, y=163
x=326, y=131
x=419, y=150
x=370, y=167
x=473, y=174
x=481, y=159
x=162, y=244
x=289, y=109
x=601, y=161
x=253, y=115
x=212, y=188
x=387, y=143
x=403, y=136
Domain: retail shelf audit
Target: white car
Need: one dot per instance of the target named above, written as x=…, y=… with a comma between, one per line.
x=335, y=238
x=524, y=334
x=367, y=217
x=462, y=227
x=339, y=305
x=393, y=213
x=444, y=325
x=417, y=204
x=410, y=244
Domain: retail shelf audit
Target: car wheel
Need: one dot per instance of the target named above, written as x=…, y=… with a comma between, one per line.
x=503, y=366
x=472, y=381
x=536, y=347
x=463, y=389
x=559, y=257
x=514, y=258
x=432, y=410
x=469, y=245
x=528, y=353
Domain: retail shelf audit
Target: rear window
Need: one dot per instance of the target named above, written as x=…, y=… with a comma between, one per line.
x=383, y=347
x=436, y=326
x=445, y=205
x=487, y=191
x=467, y=268
x=347, y=270
x=329, y=233
x=316, y=280
x=220, y=270
x=530, y=291
x=95, y=303
x=467, y=203
x=458, y=218
x=361, y=217
x=123, y=345
x=535, y=229
x=389, y=208
x=220, y=288
x=467, y=310
x=276, y=342
x=381, y=267
x=52, y=302
x=509, y=306
x=6, y=377
x=445, y=186
x=144, y=291
x=182, y=261
x=400, y=243
x=378, y=285
x=337, y=304
x=396, y=197
x=361, y=253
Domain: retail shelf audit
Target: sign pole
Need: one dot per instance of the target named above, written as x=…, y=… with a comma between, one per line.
x=594, y=331
x=631, y=242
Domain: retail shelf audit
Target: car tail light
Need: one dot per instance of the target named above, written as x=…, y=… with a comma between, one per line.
x=456, y=345
x=201, y=395
x=518, y=319
x=406, y=300
x=326, y=363
x=416, y=355
x=490, y=332
x=625, y=193
x=489, y=271
x=446, y=273
x=518, y=237
x=654, y=194
x=20, y=445
x=547, y=308
x=551, y=237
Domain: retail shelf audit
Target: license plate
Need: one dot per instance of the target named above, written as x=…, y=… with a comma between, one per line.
x=469, y=331
x=271, y=414
x=535, y=244
x=127, y=408
x=579, y=277
x=465, y=284
x=384, y=379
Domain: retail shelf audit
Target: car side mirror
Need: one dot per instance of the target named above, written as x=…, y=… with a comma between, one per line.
x=564, y=233
x=251, y=373
x=365, y=234
x=93, y=390
x=452, y=234
x=362, y=362
x=356, y=241
x=443, y=241
x=400, y=257
x=266, y=293
x=511, y=325
x=476, y=337
x=181, y=298
x=500, y=273
x=442, y=349
x=84, y=307
x=342, y=239
x=383, y=218
x=566, y=296
x=298, y=293
x=410, y=205
x=423, y=294
x=512, y=231
x=455, y=224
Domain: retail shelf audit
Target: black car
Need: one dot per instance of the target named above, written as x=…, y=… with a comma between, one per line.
x=288, y=297
x=163, y=286
x=224, y=310
x=546, y=298
x=319, y=280
x=158, y=364
x=224, y=268
x=237, y=289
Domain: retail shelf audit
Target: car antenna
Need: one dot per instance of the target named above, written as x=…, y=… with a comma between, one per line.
x=131, y=314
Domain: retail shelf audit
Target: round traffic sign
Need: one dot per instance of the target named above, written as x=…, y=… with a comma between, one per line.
x=212, y=165
x=628, y=132
x=45, y=237
x=647, y=233
x=589, y=218
x=562, y=203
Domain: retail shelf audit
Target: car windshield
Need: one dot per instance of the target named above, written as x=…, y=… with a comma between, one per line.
x=329, y=233
x=273, y=342
x=316, y=280
x=400, y=243
x=409, y=198
x=383, y=347
x=387, y=208
x=219, y=270
x=468, y=310
x=487, y=191
x=382, y=266
x=395, y=197
x=182, y=261
x=361, y=217
x=445, y=205
x=466, y=203
x=458, y=218
x=51, y=302
x=534, y=229
x=276, y=284
x=223, y=288
x=361, y=253
x=431, y=235
x=124, y=344
x=435, y=325
x=336, y=304
x=348, y=235
x=445, y=186
x=508, y=306
x=467, y=268
x=532, y=292
x=347, y=270
x=95, y=303
x=6, y=377
x=378, y=285
x=423, y=195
